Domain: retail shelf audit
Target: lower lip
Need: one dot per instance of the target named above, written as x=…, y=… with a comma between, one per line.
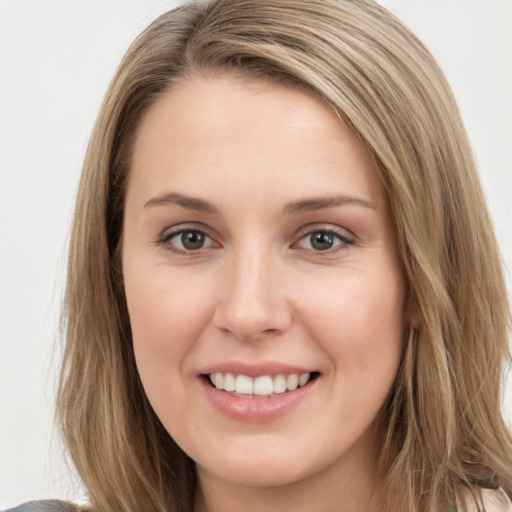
x=256, y=409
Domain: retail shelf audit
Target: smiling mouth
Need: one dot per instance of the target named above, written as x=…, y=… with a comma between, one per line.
x=264, y=386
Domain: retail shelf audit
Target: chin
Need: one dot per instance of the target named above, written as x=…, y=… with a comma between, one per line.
x=253, y=474
x=260, y=463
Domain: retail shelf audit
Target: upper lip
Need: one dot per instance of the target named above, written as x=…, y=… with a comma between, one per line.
x=255, y=370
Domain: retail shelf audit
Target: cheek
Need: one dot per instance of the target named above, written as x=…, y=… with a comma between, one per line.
x=167, y=314
x=360, y=327
x=358, y=320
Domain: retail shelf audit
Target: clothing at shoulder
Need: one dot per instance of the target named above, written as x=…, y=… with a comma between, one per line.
x=488, y=500
x=47, y=506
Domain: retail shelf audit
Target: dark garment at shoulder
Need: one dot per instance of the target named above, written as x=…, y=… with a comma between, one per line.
x=46, y=506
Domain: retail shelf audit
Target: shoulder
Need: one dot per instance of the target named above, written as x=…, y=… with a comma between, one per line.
x=488, y=500
x=47, y=506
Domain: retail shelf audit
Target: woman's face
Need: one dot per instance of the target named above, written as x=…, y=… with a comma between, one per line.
x=260, y=258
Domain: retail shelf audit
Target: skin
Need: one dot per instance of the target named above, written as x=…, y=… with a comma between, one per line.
x=259, y=291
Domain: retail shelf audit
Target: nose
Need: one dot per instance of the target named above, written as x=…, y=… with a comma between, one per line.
x=252, y=302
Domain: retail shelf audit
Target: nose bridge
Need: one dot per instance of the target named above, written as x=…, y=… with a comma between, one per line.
x=251, y=302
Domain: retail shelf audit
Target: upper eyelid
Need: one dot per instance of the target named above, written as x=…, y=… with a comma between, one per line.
x=329, y=228
x=192, y=226
x=164, y=237
x=164, y=240
x=172, y=234
x=344, y=240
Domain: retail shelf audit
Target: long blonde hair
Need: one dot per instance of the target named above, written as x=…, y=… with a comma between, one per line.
x=442, y=422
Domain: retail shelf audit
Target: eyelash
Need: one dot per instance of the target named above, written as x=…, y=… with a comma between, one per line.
x=344, y=240
x=166, y=237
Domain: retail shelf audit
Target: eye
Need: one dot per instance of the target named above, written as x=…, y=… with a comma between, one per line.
x=323, y=240
x=187, y=240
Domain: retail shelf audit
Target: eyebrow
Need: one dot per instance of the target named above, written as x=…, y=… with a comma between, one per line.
x=190, y=203
x=314, y=204
x=295, y=208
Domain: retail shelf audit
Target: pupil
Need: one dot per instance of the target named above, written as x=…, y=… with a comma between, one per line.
x=192, y=240
x=322, y=241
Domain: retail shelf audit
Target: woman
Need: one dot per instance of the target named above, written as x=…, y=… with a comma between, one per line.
x=284, y=290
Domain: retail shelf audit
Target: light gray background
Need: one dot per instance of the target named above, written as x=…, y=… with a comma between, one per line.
x=56, y=59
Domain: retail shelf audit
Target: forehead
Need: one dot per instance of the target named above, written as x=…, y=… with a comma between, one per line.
x=225, y=131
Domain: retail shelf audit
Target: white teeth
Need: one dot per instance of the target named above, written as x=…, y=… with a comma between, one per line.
x=261, y=386
x=304, y=378
x=279, y=384
x=243, y=385
x=292, y=382
x=229, y=382
x=218, y=380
